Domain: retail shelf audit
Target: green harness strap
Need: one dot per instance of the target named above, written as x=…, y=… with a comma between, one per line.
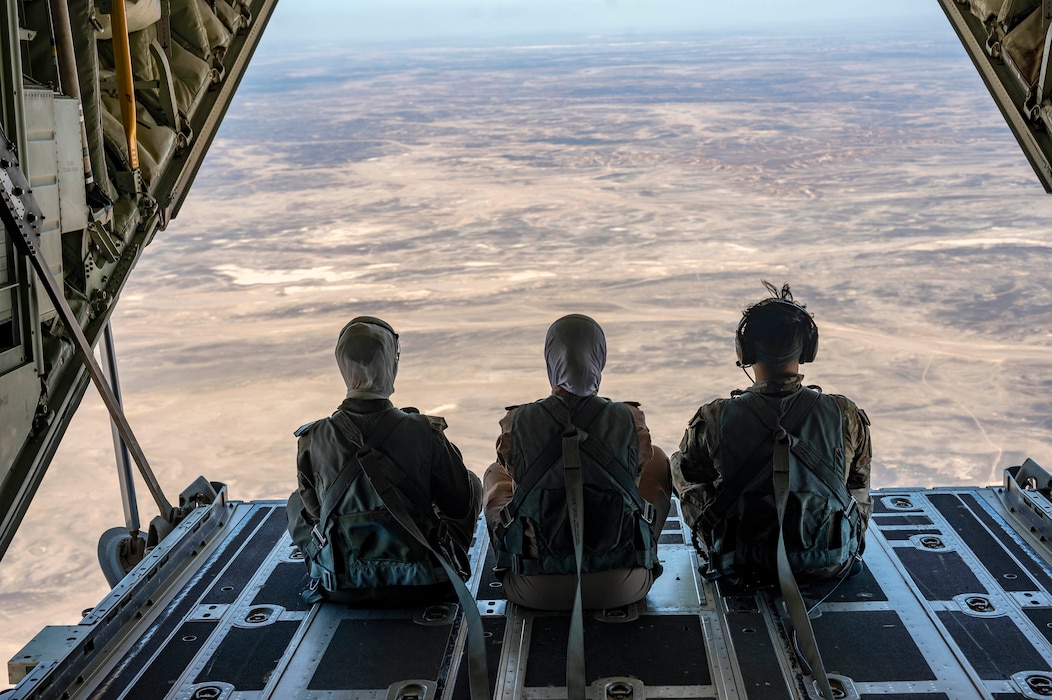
x=573, y=436
x=575, y=672
x=794, y=602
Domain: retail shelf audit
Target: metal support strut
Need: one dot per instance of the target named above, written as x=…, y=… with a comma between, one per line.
x=120, y=449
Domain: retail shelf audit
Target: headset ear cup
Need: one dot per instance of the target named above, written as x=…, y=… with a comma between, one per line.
x=810, y=349
x=745, y=353
x=748, y=354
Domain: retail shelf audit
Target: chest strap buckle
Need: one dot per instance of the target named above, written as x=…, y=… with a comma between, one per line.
x=316, y=535
x=648, y=512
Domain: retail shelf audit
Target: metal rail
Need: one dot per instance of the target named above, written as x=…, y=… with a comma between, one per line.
x=120, y=449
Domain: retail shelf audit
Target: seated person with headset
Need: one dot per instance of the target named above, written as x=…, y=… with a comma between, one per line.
x=726, y=467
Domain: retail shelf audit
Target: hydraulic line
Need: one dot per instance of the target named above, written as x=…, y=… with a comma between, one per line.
x=125, y=79
x=68, y=76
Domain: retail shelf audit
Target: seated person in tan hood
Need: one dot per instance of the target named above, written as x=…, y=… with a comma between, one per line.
x=623, y=485
x=355, y=549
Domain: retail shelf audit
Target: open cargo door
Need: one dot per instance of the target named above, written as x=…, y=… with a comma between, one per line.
x=106, y=112
x=1008, y=40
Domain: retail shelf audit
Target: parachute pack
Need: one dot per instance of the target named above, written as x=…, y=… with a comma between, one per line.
x=372, y=538
x=359, y=544
x=535, y=535
x=821, y=525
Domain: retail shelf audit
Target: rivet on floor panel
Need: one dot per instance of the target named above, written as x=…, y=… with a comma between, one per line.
x=619, y=691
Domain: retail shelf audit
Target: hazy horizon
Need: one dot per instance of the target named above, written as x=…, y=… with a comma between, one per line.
x=470, y=196
x=446, y=23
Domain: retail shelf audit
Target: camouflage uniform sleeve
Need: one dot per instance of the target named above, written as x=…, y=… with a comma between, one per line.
x=498, y=486
x=646, y=447
x=859, y=455
x=305, y=477
x=450, y=485
x=695, y=474
x=504, y=439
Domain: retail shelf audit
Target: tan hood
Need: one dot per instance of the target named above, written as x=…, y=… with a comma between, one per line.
x=575, y=352
x=367, y=353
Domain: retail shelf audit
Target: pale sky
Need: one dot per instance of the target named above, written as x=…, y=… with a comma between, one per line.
x=429, y=21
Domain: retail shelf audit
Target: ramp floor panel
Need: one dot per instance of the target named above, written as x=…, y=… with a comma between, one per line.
x=493, y=628
x=757, y=659
x=953, y=602
x=161, y=674
x=665, y=650
x=247, y=657
x=871, y=646
x=373, y=654
x=995, y=646
x=939, y=575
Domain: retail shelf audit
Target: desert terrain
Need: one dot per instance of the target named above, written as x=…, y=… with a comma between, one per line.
x=470, y=196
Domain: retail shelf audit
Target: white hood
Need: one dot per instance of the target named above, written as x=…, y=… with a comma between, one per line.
x=367, y=353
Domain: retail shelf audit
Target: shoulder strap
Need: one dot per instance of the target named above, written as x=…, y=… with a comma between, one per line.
x=547, y=457
x=343, y=480
x=593, y=445
x=784, y=442
x=378, y=469
x=535, y=471
x=575, y=669
x=794, y=601
x=801, y=408
x=588, y=412
x=741, y=480
x=384, y=427
x=583, y=418
x=791, y=422
x=793, y=418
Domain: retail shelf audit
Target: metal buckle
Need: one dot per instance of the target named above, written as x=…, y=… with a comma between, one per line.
x=648, y=512
x=315, y=533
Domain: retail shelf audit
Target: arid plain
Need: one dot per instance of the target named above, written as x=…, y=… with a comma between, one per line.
x=472, y=196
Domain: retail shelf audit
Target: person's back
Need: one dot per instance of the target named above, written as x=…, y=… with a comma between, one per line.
x=355, y=548
x=725, y=469
x=822, y=526
x=623, y=484
x=537, y=524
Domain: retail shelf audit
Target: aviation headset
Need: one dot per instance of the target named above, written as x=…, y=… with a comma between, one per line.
x=746, y=349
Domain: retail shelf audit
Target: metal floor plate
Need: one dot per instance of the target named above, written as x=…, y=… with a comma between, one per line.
x=953, y=603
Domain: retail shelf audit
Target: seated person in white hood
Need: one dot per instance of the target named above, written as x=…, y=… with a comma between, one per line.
x=623, y=486
x=355, y=549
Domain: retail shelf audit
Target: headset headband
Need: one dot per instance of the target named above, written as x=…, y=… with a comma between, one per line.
x=746, y=349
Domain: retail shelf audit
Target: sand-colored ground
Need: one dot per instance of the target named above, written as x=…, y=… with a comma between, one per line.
x=470, y=197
